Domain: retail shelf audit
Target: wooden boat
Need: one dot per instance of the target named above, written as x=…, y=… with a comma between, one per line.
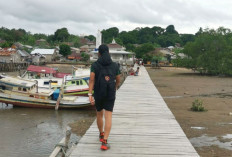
x=48, y=78
x=26, y=93
x=76, y=86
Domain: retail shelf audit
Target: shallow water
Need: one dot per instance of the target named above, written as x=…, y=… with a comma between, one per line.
x=208, y=141
x=30, y=132
x=198, y=127
x=227, y=136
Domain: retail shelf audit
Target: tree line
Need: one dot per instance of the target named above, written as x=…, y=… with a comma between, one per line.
x=144, y=40
x=139, y=40
x=163, y=37
x=210, y=52
x=27, y=38
x=156, y=35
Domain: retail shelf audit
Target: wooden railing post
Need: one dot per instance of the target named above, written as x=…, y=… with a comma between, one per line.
x=62, y=146
x=66, y=141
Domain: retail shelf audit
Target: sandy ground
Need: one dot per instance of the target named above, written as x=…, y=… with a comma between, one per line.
x=179, y=88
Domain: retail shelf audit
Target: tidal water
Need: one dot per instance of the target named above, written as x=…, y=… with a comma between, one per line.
x=30, y=132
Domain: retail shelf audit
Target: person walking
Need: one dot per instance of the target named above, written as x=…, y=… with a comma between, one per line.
x=104, y=80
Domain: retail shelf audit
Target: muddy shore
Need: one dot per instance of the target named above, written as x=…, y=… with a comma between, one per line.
x=209, y=132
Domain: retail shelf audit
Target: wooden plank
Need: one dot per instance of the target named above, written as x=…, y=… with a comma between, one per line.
x=143, y=125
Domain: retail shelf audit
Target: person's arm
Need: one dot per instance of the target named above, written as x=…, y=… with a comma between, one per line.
x=91, y=85
x=117, y=81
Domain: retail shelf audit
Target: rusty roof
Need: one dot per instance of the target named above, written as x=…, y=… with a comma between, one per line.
x=7, y=52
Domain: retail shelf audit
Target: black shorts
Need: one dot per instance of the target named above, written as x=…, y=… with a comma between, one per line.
x=104, y=104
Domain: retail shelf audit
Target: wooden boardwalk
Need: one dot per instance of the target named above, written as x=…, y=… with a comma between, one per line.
x=143, y=125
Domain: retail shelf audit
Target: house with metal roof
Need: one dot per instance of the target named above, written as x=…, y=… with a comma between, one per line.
x=24, y=56
x=49, y=54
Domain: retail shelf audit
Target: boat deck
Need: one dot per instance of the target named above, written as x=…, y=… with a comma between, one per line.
x=143, y=125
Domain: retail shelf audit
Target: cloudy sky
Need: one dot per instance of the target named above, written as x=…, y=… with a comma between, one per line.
x=87, y=16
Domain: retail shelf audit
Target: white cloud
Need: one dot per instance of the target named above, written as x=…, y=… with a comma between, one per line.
x=87, y=16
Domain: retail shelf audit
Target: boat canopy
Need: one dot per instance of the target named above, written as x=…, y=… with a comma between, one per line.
x=40, y=69
x=61, y=75
x=15, y=81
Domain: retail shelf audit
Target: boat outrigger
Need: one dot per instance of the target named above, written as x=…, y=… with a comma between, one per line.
x=26, y=93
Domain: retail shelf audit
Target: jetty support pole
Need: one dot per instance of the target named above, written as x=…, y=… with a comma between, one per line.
x=66, y=141
x=62, y=146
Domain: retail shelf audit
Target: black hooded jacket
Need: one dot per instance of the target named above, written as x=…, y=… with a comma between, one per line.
x=104, y=61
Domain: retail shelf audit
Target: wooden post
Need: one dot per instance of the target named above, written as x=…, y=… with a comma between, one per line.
x=67, y=138
x=60, y=95
x=63, y=142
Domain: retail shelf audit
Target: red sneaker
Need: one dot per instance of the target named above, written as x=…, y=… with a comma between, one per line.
x=101, y=137
x=105, y=145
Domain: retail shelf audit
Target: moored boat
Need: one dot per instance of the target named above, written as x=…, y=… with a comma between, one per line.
x=51, y=78
x=26, y=93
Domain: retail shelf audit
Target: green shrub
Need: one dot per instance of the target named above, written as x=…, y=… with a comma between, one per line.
x=197, y=106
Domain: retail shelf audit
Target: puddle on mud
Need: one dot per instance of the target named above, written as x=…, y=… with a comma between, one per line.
x=207, y=141
x=198, y=128
x=222, y=124
x=227, y=136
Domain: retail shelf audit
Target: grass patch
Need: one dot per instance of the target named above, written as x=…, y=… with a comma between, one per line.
x=197, y=106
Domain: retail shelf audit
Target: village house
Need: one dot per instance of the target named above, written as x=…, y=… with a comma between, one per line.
x=24, y=56
x=84, y=48
x=20, y=46
x=75, y=55
x=91, y=46
x=117, y=53
x=49, y=54
x=83, y=41
x=115, y=47
x=9, y=55
x=37, y=59
x=41, y=42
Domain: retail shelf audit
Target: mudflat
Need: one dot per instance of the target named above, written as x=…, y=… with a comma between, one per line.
x=210, y=132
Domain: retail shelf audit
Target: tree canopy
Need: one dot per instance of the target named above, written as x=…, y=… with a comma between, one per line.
x=65, y=50
x=61, y=35
x=210, y=52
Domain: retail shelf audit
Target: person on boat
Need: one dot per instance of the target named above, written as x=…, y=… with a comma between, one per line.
x=104, y=79
x=137, y=72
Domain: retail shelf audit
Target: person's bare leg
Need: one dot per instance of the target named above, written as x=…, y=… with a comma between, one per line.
x=108, y=123
x=100, y=120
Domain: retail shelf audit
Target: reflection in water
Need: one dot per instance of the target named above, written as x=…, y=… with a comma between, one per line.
x=33, y=132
